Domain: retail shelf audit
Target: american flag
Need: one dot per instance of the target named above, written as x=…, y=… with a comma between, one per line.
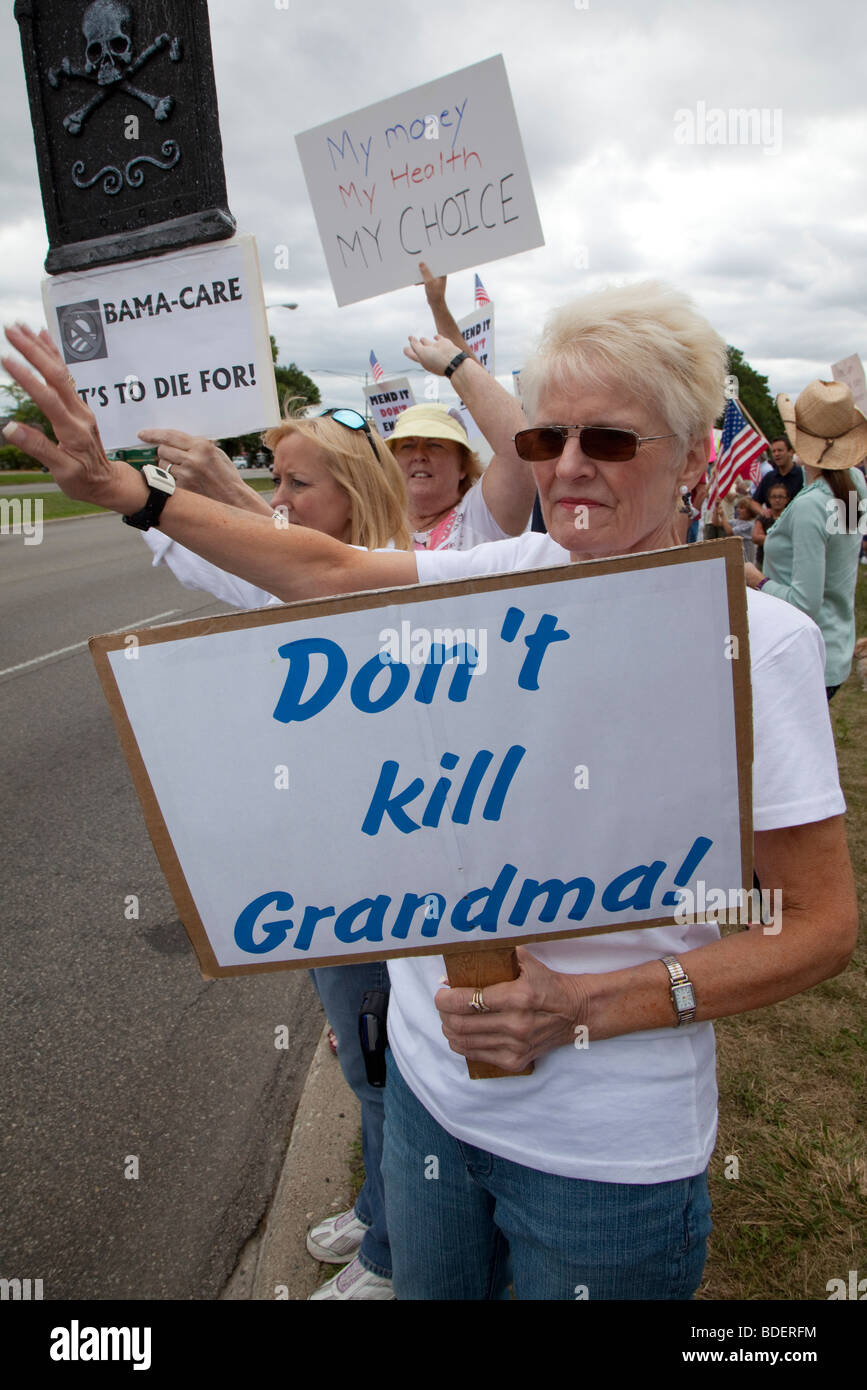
x=378, y=373
x=741, y=447
x=482, y=296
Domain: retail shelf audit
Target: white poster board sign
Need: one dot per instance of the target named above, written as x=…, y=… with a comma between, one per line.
x=386, y=400
x=477, y=331
x=437, y=174
x=426, y=758
x=177, y=341
x=851, y=372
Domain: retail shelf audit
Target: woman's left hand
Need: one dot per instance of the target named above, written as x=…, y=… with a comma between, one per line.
x=434, y=355
x=528, y=1017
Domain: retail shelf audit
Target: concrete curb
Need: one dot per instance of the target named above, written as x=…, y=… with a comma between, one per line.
x=314, y=1182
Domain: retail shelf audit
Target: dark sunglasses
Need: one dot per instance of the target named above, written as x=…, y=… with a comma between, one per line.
x=353, y=420
x=597, y=442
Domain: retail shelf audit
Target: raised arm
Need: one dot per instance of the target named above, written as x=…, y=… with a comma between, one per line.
x=508, y=485
x=435, y=293
x=291, y=562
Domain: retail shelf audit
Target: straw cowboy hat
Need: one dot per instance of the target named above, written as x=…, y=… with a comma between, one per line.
x=824, y=427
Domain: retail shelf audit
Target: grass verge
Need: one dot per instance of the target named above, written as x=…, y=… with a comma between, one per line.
x=793, y=1100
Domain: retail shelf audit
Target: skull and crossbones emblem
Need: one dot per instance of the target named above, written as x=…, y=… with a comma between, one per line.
x=106, y=26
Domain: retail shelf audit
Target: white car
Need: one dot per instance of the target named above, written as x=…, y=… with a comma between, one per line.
x=240, y=461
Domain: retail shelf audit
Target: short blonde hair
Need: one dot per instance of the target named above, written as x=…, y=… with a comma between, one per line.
x=375, y=486
x=650, y=339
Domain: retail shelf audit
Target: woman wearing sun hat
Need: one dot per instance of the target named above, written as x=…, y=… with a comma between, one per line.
x=452, y=503
x=811, y=552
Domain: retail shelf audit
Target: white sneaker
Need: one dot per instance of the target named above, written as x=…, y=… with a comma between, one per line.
x=355, y=1282
x=335, y=1240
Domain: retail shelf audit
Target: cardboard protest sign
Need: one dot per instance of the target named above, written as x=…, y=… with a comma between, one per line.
x=178, y=340
x=851, y=372
x=444, y=766
x=477, y=331
x=386, y=400
x=437, y=174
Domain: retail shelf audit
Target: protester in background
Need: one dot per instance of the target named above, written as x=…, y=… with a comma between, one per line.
x=786, y=470
x=811, y=554
x=778, y=500
x=697, y=504
x=591, y=1171
x=741, y=525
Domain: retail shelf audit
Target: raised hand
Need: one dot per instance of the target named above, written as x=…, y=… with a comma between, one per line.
x=434, y=286
x=432, y=354
x=77, y=462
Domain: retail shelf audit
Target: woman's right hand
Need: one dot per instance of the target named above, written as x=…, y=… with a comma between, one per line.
x=77, y=462
x=197, y=465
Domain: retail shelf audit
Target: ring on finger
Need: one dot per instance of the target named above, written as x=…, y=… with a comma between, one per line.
x=478, y=1003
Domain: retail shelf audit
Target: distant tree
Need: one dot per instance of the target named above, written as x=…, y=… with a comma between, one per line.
x=19, y=406
x=293, y=386
x=753, y=391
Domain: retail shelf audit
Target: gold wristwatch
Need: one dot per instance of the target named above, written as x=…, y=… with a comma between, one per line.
x=682, y=992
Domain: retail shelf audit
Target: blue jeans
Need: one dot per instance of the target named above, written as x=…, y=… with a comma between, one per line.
x=341, y=989
x=462, y=1221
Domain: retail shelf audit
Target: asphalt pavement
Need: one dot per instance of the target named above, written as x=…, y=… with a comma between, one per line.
x=146, y=1112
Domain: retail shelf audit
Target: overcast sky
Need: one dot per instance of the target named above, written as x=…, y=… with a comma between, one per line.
x=770, y=238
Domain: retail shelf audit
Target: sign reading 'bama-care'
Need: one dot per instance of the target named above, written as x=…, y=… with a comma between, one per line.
x=455, y=764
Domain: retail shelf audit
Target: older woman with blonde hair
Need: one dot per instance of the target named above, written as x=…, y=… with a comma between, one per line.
x=587, y=1177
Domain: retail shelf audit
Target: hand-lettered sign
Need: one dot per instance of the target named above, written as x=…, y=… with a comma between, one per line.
x=437, y=173
x=179, y=340
x=477, y=331
x=386, y=400
x=481, y=762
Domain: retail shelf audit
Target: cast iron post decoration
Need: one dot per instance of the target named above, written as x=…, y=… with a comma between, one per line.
x=129, y=166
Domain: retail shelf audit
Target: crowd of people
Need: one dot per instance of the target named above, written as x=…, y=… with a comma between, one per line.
x=590, y=1173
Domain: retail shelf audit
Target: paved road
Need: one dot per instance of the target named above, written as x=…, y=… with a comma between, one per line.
x=114, y=1047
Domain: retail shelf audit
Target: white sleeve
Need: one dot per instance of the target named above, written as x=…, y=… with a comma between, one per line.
x=478, y=518
x=195, y=573
x=795, y=779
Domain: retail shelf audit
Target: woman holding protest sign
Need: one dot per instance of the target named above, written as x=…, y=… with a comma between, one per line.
x=590, y=1174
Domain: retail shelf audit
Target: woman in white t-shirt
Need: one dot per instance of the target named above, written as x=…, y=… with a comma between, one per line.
x=587, y=1178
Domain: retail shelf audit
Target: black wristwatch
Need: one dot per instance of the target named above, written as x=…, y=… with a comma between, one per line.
x=161, y=485
x=455, y=363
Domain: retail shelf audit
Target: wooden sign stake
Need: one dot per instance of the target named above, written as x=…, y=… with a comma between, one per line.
x=476, y=970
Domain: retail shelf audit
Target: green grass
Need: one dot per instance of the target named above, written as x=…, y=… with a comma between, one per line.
x=260, y=484
x=793, y=1099
x=9, y=478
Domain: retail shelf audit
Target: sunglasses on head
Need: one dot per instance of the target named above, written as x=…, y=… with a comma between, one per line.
x=353, y=420
x=597, y=442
